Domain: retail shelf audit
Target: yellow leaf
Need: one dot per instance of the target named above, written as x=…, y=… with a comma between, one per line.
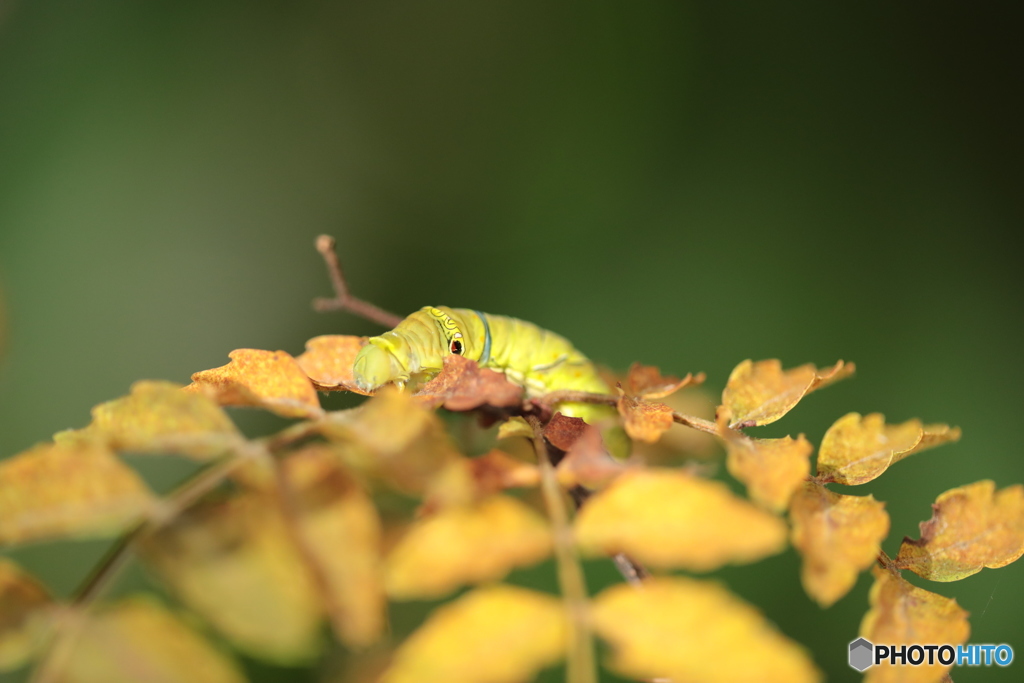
x=760, y=393
x=646, y=381
x=341, y=527
x=856, y=450
x=772, y=469
x=689, y=630
x=139, y=640
x=459, y=545
x=24, y=615
x=972, y=527
x=394, y=438
x=328, y=361
x=838, y=537
x=667, y=518
x=902, y=614
x=513, y=427
x=262, y=379
x=160, y=417
x=54, y=491
x=234, y=563
x=497, y=634
x=644, y=420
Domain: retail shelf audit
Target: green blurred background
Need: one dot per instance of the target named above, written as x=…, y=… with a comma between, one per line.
x=683, y=184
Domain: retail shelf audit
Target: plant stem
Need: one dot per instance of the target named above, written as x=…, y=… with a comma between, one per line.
x=343, y=299
x=580, y=656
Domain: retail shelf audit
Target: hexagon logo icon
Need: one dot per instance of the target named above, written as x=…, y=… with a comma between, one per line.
x=861, y=654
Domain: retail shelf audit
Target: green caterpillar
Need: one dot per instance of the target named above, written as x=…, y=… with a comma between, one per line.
x=538, y=360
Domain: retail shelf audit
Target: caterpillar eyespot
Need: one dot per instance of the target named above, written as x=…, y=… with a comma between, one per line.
x=455, y=347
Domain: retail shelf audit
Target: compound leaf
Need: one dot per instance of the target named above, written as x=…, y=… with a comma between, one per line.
x=159, y=417
x=690, y=630
x=263, y=379
x=760, y=393
x=466, y=544
x=972, y=527
x=68, y=490
x=902, y=614
x=857, y=449
x=838, y=536
x=497, y=634
x=667, y=518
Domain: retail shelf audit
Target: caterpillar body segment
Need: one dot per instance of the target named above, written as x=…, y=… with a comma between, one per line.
x=537, y=359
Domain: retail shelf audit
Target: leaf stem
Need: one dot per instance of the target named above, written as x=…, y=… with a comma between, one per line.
x=580, y=656
x=343, y=299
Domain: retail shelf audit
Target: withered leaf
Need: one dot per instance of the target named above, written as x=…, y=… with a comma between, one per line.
x=857, y=449
x=57, y=491
x=233, y=562
x=760, y=393
x=139, y=640
x=902, y=614
x=392, y=437
x=496, y=470
x=470, y=544
x=646, y=381
x=666, y=518
x=644, y=420
x=772, y=469
x=160, y=417
x=263, y=379
x=838, y=536
x=24, y=615
x=689, y=630
x=328, y=362
x=562, y=431
x=464, y=385
x=497, y=634
x=341, y=527
x=972, y=527
x=588, y=463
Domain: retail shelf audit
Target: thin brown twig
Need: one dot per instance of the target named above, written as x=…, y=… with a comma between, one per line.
x=697, y=423
x=580, y=666
x=343, y=299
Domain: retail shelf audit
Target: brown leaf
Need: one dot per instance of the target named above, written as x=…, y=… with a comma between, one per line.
x=24, y=615
x=58, y=491
x=394, y=438
x=667, y=518
x=646, y=381
x=644, y=420
x=340, y=526
x=139, y=640
x=681, y=442
x=496, y=470
x=772, y=469
x=562, y=431
x=972, y=527
x=233, y=563
x=588, y=463
x=328, y=362
x=838, y=537
x=902, y=614
x=464, y=385
x=158, y=417
x=760, y=393
x=459, y=545
x=856, y=450
x=689, y=630
x=497, y=634
x=263, y=379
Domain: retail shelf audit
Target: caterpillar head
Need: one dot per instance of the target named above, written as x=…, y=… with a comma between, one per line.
x=375, y=366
